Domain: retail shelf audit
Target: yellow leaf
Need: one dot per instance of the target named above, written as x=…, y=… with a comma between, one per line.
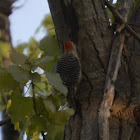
x=16, y=126
x=35, y=136
x=4, y=49
x=9, y=103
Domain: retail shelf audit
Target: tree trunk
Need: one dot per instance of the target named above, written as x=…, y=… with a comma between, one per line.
x=85, y=22
x=8, y=132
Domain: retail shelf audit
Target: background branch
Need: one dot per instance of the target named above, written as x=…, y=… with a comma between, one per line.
x=35, y=107
x=5, y=121
x=34, y=102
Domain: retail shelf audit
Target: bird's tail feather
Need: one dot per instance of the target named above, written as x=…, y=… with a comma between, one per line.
x=71, y=97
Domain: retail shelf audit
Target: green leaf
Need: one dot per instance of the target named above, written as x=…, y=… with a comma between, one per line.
x=55, y=132
x=50, y=107
x=21, y=47
x=50, y=46
x=55, y=81
x=7, y=82
x=16, y=126
x=37, y=124
x=59, y=136
x=55, y=128
x=41, y=62
x=41, y=109
x=48, y=24
x=36, y=136
x=19, y=74
x=57, y=99
x=35, y=77
x=18, y=58
x=51, y=66
x=40, y=86
x=27, y=65
x=23, y=124
x=33, y=49
x=20, y=108
x=61, y=117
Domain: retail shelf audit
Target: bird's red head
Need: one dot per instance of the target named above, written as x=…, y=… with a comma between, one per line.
x=68, y=46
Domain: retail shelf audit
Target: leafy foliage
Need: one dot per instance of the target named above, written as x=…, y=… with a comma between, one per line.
x=19, y=74
x=55, y=80
x=20, y=108
x=18, y=58
x=52, y=46
x=4, y=49
x=48, y=24
x=4, y=77
x=32, y=68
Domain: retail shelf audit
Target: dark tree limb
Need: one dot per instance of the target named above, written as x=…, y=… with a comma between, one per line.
x=34, y=101
x=113, y=68
x=8, y=131
x=5, y=121
x=35, y=107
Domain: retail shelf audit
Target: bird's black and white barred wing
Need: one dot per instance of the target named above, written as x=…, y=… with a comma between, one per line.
x=69, y=69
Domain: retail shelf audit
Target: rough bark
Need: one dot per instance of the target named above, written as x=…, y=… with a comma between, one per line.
x=86, y=24
x=8, y=132
x=113, y=68
x=132, y=54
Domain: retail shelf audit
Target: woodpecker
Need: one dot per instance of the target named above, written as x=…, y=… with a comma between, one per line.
x=69, y=66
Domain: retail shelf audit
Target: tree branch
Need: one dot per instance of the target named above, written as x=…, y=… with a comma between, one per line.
x=119, y=17
x=18, y=7
x=112, y=72
x=35, y=108
x=5, y=121
x=113, y=68
x=34, y=102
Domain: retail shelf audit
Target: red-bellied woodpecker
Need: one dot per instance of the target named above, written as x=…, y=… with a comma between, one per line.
x=69, y=66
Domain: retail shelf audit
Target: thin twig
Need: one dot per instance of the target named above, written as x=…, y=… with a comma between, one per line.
x=35, y=107
x=50, y=29
x=27, y=90
x=18, y=7
x=5, y=121
x=34, y=102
